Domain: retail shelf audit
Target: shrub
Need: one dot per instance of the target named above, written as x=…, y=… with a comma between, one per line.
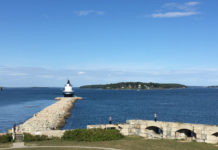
x=29, y=137
x=5, y=138
x=92, y=135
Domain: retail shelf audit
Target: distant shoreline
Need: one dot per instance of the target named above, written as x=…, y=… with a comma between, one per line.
x=85, y=87
x=216, y=86
x=135, y=86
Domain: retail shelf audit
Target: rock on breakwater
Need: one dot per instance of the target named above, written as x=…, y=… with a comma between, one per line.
x=51, y=118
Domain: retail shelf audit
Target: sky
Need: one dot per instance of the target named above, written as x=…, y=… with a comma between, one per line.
x=46, y=42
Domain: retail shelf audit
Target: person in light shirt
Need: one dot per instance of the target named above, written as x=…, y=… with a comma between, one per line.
x=155, y=117
x=110, y=120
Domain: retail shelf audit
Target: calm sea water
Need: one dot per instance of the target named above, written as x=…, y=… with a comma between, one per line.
x=190, y=105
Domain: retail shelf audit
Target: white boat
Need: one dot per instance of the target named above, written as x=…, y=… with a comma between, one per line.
x=68, y=91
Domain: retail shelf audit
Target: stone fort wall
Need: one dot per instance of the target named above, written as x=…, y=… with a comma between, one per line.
x=166, y=130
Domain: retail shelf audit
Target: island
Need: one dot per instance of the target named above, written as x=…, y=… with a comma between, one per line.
x=136, y=85
x=214, y=86
x=1, y=88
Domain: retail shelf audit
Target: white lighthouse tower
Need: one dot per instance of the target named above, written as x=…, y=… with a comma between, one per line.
x=68, y=91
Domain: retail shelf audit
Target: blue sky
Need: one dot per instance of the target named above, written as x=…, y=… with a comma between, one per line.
x=45, y=42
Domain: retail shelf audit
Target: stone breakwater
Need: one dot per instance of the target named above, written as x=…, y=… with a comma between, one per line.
x=51, y=118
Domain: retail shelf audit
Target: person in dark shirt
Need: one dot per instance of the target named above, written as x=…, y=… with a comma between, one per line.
x=14, y=127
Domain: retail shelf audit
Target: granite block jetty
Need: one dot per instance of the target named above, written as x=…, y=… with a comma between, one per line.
x=51, y=118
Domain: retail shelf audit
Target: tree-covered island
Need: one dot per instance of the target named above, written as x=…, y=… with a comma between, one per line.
x=136, y=85
x=214, y=86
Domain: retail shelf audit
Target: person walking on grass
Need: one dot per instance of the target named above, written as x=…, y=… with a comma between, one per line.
x=110, y=120
x=155, y=117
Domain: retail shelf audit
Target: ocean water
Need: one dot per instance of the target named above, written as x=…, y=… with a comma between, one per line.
x=19, y=104
x=191, y=105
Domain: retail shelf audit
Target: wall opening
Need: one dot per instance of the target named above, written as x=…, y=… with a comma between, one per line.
x=112, y=128
x=185, y=134
x=215, y=137
x=154, y=132
x=215, y=134
x=120, y=128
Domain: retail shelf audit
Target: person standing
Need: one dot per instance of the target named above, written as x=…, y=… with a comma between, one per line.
x=14, y=127
x=110, y=120
x=155, y=117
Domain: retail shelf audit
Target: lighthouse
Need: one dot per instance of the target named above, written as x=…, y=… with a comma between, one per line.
x=68, y=91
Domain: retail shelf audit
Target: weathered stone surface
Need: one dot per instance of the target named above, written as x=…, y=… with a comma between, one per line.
x=51, y=118
x=166, y=130
x=2, y=134
x=51, y=133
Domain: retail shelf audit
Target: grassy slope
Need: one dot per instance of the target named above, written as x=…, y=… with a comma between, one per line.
x=130, y=143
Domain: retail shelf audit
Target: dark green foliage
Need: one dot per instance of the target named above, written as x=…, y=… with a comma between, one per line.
x=92, y=135
x=135, y=85
x=5, y=138
x=29, y=137
x=212, y=86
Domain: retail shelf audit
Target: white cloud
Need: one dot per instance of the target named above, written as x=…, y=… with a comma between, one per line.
x=88, y=12
x=173, y=14
x=173, y=6
x=181, y=6
x=81, y=73
x=173, y=10
x=27, y=76
x=17, y=74
x=192, y=3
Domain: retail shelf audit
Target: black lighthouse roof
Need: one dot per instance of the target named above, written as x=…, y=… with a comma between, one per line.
x=68, y=82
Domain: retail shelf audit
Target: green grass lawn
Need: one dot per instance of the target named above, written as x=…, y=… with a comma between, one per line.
x=3, y=145
x=128, y=143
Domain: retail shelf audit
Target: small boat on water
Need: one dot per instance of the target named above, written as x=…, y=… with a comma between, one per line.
x=68, y=91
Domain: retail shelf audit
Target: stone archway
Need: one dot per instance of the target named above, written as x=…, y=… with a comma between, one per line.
x=215, y=134
x=215, y=137
x=120, y=128
x=185, y=134
x=154, y=132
